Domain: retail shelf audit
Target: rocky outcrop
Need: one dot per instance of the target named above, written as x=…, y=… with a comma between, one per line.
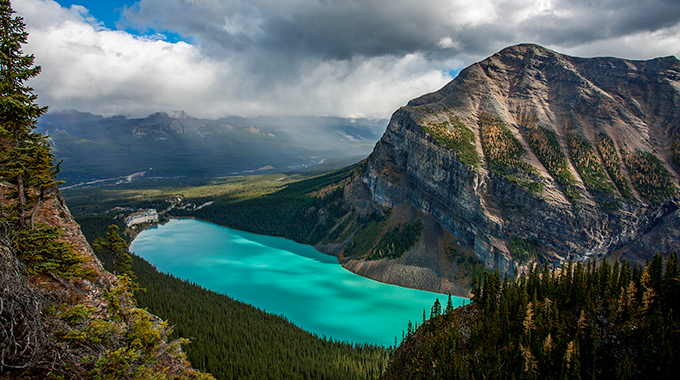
x=54, y=326
x=524, y=89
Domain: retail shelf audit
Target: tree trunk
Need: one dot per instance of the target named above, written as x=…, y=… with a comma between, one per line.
x=22, y=200
x=35, y=210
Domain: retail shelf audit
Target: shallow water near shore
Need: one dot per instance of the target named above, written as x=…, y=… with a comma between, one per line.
x=283, y=277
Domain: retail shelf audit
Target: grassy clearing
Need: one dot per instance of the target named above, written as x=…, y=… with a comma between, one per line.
x=99, y=199
x=454, y=135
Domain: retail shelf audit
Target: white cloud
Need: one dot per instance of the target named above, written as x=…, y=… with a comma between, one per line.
x=447, y=43
x=349, y=58
x=92, y=69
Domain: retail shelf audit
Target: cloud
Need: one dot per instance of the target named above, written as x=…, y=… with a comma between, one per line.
x=319, y=57
x=90, y=68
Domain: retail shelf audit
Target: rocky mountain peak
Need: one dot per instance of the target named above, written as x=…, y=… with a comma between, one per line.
x=532, y=155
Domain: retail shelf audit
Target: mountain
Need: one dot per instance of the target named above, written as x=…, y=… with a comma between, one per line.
x=528, y=156
x=531, y=155
x=94, y=147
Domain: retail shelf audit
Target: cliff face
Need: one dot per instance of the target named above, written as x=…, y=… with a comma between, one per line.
x=514, y=158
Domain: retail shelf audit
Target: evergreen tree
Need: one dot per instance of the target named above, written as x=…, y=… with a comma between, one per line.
x=587, y=320
x=115, y=247
x=449, y=306
x=25, y=158
x=436, y=309
x=26, y=161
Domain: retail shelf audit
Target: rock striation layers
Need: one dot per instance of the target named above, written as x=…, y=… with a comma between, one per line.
x=531, y=155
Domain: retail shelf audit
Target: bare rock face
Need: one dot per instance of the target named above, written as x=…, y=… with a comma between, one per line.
x=531, y=155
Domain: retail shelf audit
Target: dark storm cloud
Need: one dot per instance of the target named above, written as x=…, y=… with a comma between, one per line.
x=570, y=23
x=341, y=30
x=325, y=29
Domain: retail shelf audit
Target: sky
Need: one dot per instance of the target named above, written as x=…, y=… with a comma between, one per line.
x=348, y=58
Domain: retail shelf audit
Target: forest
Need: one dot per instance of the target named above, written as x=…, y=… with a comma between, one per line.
x=544, y=144
x=458, y=138
x=568, y=322
x=583, y=320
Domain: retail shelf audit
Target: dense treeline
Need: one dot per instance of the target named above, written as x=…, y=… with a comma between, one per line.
x=546, y=147
x=310, y=211
x=612, y=162
x=94, y=226
x=398, y=241
x=504, y=154
x=60, y=317
x=233, y=340
x=301, y=211
x=524, y=250
x=582, y=321
x=649, y=177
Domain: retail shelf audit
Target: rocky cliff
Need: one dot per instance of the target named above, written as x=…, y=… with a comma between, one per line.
x=54, y=324
x=531, y=155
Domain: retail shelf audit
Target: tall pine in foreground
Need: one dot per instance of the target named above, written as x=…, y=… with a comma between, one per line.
x=26, y=162
x=25, y=157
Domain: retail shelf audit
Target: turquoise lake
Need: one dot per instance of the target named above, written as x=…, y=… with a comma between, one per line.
x=283, y=277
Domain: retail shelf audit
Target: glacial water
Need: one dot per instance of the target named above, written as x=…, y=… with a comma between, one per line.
x=283, y=277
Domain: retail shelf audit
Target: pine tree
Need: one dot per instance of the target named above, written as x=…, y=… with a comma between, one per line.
x=25, y=158
x=26, y=162
x=115, y=247
x=436, y=309
x=449, y=306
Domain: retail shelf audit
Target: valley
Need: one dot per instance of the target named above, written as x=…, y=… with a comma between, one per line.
x=285, y=278
x=464, y=189
x=544, y=187
x=99, y=150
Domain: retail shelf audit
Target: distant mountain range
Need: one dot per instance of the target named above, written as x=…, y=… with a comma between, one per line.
x=94, y=147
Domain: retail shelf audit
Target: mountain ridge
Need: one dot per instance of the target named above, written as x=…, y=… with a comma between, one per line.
x=94, y=147
x=516, y=152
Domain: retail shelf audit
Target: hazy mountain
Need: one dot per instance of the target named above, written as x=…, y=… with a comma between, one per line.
x=97, y=147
